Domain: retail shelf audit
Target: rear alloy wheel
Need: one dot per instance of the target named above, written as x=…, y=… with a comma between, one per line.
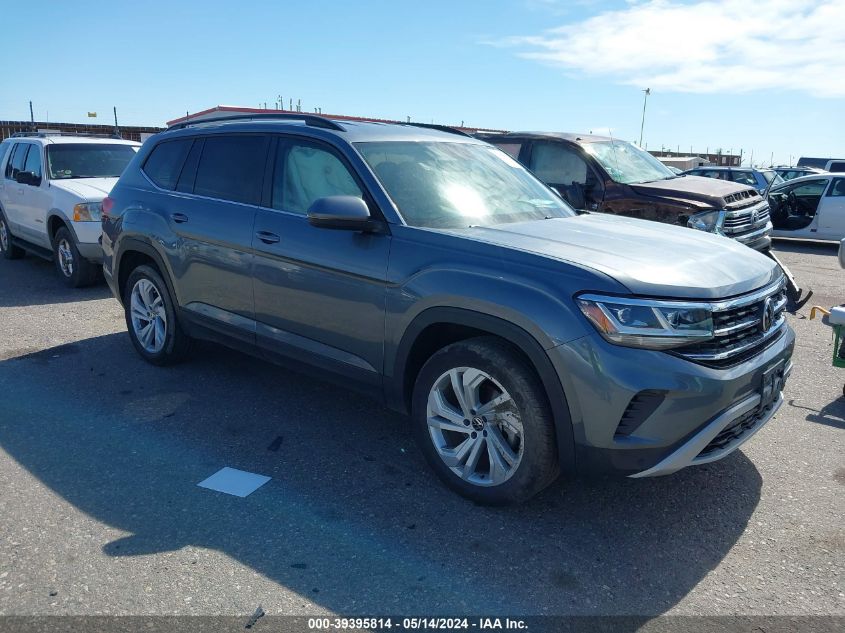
x=151, y=318
x=74, y=270
x=9, y=250
x=482, y=419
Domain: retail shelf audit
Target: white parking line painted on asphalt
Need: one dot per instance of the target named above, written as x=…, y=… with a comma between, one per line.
x=234, y=482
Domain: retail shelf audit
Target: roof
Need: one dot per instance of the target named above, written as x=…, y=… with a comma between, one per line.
x=58, y=139
x=572, y=137
x=222, y=110
x=353, y=131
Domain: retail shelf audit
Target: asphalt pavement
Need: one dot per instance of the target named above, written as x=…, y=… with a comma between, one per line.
x=100, y=512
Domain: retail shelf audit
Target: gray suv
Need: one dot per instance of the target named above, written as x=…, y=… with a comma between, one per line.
x=432, y=270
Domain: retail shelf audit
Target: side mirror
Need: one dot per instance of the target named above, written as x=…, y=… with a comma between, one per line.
x=345, y=213
x=28, y=178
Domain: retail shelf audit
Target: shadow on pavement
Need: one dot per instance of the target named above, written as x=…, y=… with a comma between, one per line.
x=352, y=519
x=34, y=281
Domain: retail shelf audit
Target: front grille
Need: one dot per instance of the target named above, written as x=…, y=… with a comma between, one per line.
x=738, y=329
x=742, y=199
x=735, y=431
x=743, y=221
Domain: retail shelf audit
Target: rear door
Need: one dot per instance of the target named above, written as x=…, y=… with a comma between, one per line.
x=213, y=188
x=832, y=211
x=12, y=192
x=35, y=200
x=319, y=293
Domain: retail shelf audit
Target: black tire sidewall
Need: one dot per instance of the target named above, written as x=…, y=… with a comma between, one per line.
x=539, y=464
x=82, y=269
x=173, y=346
x=13, y=252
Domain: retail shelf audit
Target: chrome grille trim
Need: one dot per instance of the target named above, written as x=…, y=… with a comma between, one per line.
x=737, y=323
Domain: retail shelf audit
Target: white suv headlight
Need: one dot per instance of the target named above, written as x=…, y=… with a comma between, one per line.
x=647, y=323
x=710, y=221
x=87, y=212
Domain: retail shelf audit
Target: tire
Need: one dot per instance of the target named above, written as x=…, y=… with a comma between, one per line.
x=74, y=270
x=522, y=420
x=9, y=250
x=147, y=302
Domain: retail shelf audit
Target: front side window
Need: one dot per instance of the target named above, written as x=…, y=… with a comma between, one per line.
x=744, y=178
x=772, y=177
x=305, y=172
x=557, y=165
x=811, y=188
x=454, y=185
x=232, y=168
x=628, y=164
x=87, y=160
x=33, y=160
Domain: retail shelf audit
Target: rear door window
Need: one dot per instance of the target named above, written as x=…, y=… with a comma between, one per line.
x=231, y=167
x=164, y=164
x=16, y=161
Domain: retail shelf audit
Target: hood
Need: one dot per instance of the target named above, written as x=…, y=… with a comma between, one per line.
x=709, y=190
x=94, y=189
x=649, y=258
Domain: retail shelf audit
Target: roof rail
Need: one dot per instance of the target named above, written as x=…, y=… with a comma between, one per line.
x=46, y=134
x=442, y=128
x=313, y=120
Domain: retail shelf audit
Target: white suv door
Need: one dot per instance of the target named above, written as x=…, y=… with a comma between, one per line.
x=36, y=199
x=12, y=192
x=832, y=211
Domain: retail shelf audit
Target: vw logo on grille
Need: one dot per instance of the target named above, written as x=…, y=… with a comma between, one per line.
x=754, y=216
x=768, y=317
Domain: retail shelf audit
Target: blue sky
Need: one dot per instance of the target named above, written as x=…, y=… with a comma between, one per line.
x=767, y=77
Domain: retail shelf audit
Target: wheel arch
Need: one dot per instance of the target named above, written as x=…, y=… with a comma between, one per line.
x=134, y=253
x=435, y=328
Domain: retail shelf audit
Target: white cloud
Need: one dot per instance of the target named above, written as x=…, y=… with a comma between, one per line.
x=720, y=46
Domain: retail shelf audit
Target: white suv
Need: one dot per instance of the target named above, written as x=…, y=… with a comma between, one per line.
x=51, y=190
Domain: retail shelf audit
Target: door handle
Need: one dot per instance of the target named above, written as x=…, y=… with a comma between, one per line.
x=179, y=218
x=267, y=237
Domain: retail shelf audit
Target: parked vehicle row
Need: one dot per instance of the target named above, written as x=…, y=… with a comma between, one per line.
x=760, y=179
x=525, y=338
x=51, y=189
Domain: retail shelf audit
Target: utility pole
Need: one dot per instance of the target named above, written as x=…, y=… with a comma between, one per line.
x=116, y=128
x=647, y=92
x=31, y=116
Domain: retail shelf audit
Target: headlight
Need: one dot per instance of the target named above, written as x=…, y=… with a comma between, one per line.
x=650, y=324
x=710, y=221
x=87, y=212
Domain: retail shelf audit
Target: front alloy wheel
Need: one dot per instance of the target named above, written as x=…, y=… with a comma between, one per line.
x=475, y=426
x=483, y=421
x=149, y=318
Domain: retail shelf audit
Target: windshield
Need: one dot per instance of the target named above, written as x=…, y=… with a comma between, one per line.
x=454, y=185
x=88, y=160
x=626, y=163
x=772, y=176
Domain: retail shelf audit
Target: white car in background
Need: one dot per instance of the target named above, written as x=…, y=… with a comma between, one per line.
x=51, y=190
x=810, y=207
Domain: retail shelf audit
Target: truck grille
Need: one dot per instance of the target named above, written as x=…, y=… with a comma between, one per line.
x=738, y=327
x=742, y=221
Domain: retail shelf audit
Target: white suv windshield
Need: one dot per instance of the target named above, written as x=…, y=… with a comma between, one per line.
x=454, y=185
x=628, y=164
x=88, y=160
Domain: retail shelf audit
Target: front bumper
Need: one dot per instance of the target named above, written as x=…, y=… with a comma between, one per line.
x=692, y=452
x=759, y=240
x=695, y=403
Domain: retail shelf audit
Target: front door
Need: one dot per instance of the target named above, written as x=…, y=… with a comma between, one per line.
x=563, y=169
x=319, y=293
x=35, y=200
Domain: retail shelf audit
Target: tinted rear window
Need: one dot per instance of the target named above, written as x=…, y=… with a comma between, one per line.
x=164, y=163
x=232, y=168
